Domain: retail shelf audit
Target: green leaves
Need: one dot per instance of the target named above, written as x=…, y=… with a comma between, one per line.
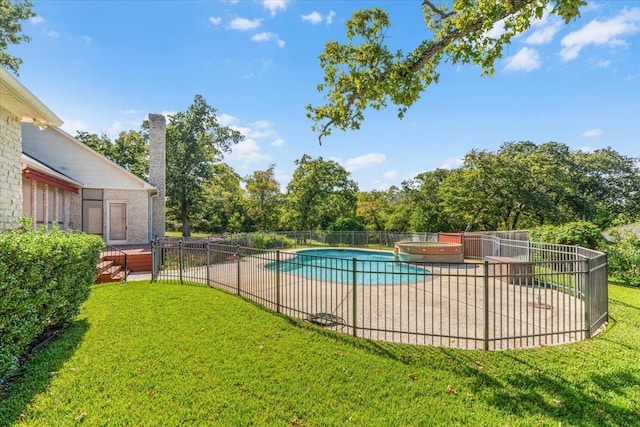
x=44, y=279
x=363, y=73
x=195, y=144
x=11, y=13
x=319, y=192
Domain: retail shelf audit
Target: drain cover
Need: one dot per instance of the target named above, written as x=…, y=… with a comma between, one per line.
x=325, y=319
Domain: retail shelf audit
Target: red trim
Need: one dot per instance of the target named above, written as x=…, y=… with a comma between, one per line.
x=37, y=176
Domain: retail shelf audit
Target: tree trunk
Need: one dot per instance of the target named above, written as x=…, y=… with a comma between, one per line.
x=186, y=229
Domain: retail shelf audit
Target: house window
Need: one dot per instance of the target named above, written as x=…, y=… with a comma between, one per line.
x=92, y=211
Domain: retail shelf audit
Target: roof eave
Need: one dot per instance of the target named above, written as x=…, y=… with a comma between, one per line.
x=18, y=100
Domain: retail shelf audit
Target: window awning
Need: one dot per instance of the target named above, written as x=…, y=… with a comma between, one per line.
x=40, y=177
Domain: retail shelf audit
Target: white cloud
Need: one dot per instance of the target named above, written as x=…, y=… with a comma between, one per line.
x=602, y=63
x=544, y=34
x=278, y=142
x=249, y=132
x=592, y=133
x=263, y=37
x=244, y=24
x=86, y=39
x=525, y=60
x=226, y=119
x=364, y=161
x=496, y=31
x=115, y=128
x=246, y=153
x=275, y=6
x=168, y=113
x=312, y=18
x=330, y=17
x=215, y=20
x=315, y=18
x=53, y=34
x=598, y=33
x=586, y=149
x=266, y=36
x=131, y=112
x=452, y=163
x=35, y=20
x=73, y=126
x=390, y=175
x=261, y=124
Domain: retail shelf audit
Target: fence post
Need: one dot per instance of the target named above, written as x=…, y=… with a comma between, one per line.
x=587, y=296
x=354, y=278
x=181, y=252
x=154, y=271
x=485, y=304
x=208, y=263
x=238, y=269
x=278, y=281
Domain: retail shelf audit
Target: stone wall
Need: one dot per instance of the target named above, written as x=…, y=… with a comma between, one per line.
x=10, y=173
x=157, y=172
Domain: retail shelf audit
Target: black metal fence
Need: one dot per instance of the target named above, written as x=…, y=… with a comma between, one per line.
x=510, y=293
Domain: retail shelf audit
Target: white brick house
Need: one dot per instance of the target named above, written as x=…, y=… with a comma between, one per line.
x=17, y=104
x=56, y=179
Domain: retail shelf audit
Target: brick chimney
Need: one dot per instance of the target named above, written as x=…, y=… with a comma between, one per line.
x=157, y=173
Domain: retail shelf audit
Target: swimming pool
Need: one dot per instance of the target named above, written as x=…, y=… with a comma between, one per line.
x=372, y=267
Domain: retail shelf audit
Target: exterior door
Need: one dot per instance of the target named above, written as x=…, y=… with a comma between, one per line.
x=117, y=223
x=92, y=211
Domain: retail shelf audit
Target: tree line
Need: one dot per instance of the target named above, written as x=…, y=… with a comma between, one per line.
x=520, y=186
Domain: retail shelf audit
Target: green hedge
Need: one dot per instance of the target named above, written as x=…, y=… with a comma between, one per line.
x=624, y=258
x=45, y=276
x=579, y=233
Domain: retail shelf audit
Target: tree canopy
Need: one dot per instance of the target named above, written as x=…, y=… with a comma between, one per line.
x=130, y=149
x=195, y=144
x=319, y=193
x=11, y=13
x=364, y=73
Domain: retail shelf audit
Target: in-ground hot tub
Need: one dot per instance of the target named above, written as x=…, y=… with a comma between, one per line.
x=430, y=252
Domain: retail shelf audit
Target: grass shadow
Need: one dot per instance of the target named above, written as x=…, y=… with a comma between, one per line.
x=35, y=375
x=532, y=390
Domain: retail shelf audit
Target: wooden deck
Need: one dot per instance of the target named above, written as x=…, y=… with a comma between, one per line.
x=111, y=267
x=138, y=257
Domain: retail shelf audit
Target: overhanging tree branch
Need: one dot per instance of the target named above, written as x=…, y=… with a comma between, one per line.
x=355, y=80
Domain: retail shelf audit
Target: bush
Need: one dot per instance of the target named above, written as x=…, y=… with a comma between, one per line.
x=269, y=241
x=346, y=224
x=580, y=233
x=624, y=258
x=44, y=279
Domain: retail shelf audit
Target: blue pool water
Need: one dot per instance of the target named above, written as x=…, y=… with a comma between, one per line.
x=372, y=267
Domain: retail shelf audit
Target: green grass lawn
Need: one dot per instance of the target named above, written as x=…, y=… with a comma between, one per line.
x=145, y=354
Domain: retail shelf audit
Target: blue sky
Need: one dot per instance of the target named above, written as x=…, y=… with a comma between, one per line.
x=103, y=66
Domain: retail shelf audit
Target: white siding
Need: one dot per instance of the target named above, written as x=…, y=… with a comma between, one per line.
x=75, y=160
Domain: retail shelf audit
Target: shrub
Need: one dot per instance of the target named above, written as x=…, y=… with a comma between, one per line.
x=269, y=241
x=44, y=279
x=346, y=224
x=624, y=258
x=579, y=233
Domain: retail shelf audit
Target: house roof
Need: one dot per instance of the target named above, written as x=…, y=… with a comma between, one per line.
x=39, y=171
x=54, y=146
x=19, y=101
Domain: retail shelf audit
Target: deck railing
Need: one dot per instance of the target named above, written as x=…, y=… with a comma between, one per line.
x=517, y=294
x=111, y=253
